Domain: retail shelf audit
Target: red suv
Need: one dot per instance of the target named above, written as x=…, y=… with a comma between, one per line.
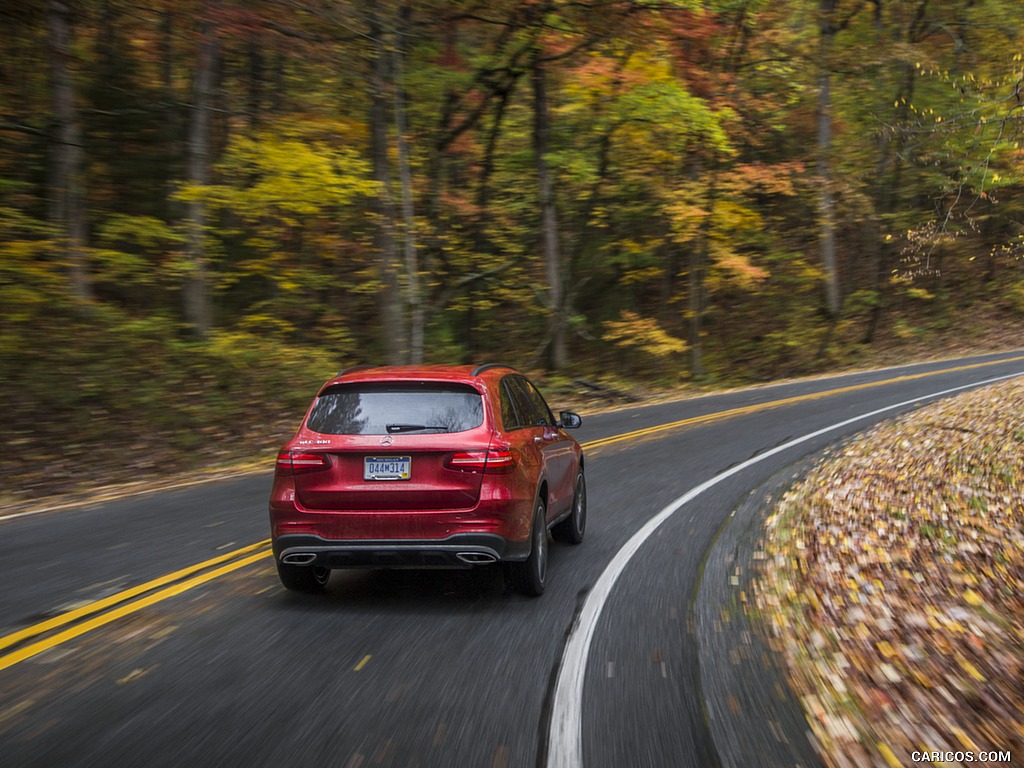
x=427, y=466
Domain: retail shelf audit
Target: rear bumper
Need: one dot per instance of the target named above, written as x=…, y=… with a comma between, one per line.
x=462, y=550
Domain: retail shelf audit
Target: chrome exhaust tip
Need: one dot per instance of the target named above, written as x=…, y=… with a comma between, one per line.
x=299, y=558
x=476, y=558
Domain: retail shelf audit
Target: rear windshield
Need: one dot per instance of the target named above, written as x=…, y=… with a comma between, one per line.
x=380, y=409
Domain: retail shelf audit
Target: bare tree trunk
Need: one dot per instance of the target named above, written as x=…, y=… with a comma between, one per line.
x=892, y=151
x=699, y=254
x=256, y=78
x=557, y=357
x=393, y=334
x=170, y=119
x=167, y=53
x=277, y=90
x=833, y=299
x=696, y=301
x=697, y=260
x=414, y=298
x=198, y=308
x=67, y=196
x=483, y=195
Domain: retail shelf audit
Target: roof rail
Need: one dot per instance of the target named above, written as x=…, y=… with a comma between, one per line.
x=354, y=368
x=487, y=366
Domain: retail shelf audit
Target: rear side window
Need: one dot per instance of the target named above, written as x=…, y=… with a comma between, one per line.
x=541, y=412
x=406, y=408
x=529, y=405
x=508, y=412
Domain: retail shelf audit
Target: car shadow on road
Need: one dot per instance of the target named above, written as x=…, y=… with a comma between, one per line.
x=425, y=592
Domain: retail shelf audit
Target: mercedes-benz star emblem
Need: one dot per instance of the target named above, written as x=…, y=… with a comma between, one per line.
x=387, y=440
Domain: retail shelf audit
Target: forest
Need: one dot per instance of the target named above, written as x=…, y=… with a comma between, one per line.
x=207, y=207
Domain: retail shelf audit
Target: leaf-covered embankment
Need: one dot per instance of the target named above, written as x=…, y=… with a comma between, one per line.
x=894, y=585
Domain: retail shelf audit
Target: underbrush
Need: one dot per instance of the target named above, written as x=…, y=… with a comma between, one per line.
x=99, y=398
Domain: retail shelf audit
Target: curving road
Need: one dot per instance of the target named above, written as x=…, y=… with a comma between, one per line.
x=152, y=631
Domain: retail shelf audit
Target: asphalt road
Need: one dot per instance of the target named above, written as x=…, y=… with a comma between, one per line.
x=637, y=655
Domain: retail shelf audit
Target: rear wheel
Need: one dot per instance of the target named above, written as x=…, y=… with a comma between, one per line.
x=571, y=530
x=303, y=578
x=531, y=574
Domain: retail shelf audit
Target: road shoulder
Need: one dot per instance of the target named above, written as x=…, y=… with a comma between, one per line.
x=753, y=716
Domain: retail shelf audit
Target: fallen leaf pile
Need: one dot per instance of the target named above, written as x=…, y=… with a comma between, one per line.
x=894, y=586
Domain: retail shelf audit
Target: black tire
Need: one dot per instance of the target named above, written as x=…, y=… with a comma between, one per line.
x=532, y=573
x=303, y=578
x=571, y=530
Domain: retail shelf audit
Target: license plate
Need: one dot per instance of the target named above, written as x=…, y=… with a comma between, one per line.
x=387, y=467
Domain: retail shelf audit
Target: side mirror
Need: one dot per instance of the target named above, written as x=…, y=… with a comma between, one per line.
x=569, y=420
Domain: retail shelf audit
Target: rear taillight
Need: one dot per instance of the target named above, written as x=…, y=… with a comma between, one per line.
x=499, y=461
x=492, y=461
x=297, y=462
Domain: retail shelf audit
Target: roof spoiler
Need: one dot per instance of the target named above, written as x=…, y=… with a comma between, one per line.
x=354, y=368
x=488, y=366
x=476, y=371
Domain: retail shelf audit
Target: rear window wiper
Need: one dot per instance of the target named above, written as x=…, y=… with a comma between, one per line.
x=393, y=428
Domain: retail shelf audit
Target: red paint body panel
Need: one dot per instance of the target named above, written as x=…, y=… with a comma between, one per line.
x=336, y=504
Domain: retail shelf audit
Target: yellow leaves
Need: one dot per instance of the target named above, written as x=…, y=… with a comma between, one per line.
x=688, y=214
x=765, y=178
x=132, y=676
x=642, y=275
x=921, y=679
x=261, y=323
x=285, y=176
x=734, y=216
x=973, y=598
x=640, y=255
x=643, y=333
x=739, y=267
x=29, y=283
x=966, y=741
x=890, y=757
x=970, y=669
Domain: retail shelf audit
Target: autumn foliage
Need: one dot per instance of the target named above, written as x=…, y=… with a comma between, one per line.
x=618, y=188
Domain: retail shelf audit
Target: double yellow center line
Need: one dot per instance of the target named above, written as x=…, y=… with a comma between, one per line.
x=50, y=633
x=89, y=617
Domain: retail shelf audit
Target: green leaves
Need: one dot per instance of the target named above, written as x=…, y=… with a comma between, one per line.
x=30, y=280
x=134, y=250
x=664, y=109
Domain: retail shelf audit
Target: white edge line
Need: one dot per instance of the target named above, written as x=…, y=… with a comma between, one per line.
x=565, y=737
x=16, y=515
